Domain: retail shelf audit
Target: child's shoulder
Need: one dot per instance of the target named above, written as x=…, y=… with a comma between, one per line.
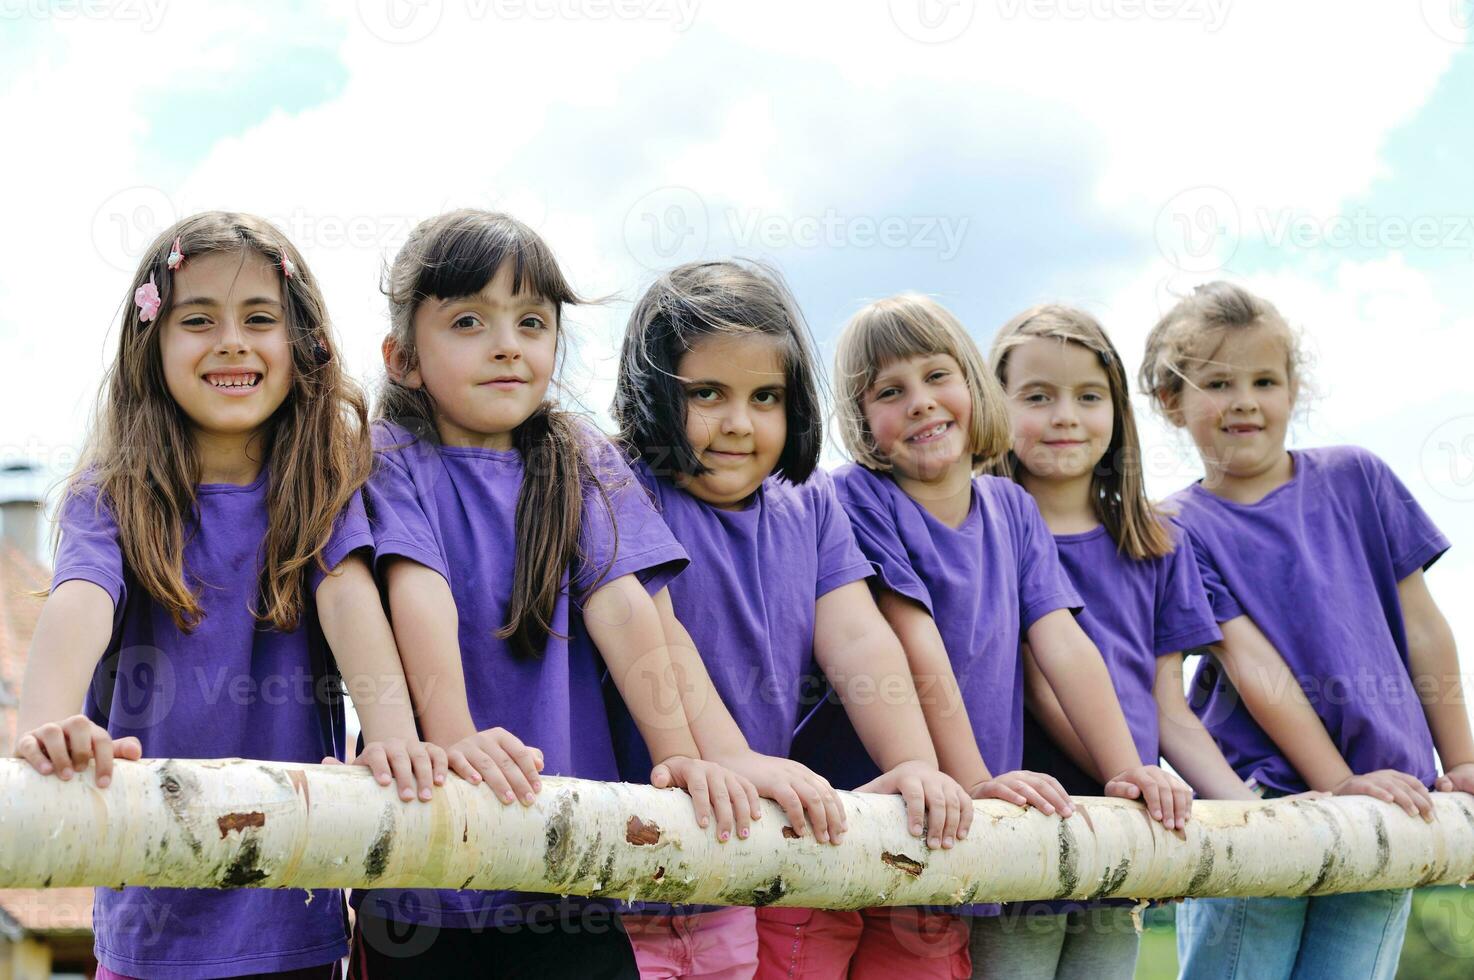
x=856, y=486
x=1003, y=495
x=1342, y=461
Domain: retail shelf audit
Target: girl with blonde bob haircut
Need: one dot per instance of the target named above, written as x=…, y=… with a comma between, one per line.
x=966, y=572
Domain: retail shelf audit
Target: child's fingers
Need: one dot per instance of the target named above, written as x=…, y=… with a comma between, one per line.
x=79, y=730
x=102, y=752
x=833, y=813
x=438, y=763
x=29, y=749
x=501, y=774
x=331, y=760
x=1158, y=802
x=936, y=816
x=793, y=808
x=529, y=761
x=1182, y=803
x=721, y=804
x=424, y=771
x=461, y=766
x=754, y=798
x=1444, y=784
x=813, y=803
x=54, y=744
x=1032, y=796
x=700, y=797
x=660, y=776
x=951, y=818
x=741, y=806
x=402, y=769
x=377, y=762
x=965, y=812
x=915, y=799
x=130, y=748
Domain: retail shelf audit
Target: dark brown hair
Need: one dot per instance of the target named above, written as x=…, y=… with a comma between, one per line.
x=1117, y=488
x=455, y=255
x=141, y=455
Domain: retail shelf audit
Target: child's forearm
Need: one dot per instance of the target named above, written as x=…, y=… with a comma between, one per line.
x=1278, y=705
x=1078, y=676
x=1433, y=661
x=946, y=716
x=354, y=625
x=426, y=631
x=625, y=625
x=863, y=659
x=1040, y=700
x=71, y=634
x=1186, y=743
x=715, y=731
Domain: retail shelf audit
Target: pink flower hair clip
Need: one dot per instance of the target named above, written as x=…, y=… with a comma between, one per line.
x=288, y=267
x=146, y=297
x=176, y=256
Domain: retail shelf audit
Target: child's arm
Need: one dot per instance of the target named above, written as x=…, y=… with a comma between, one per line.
x=947, y=719
x=425, y=623
x=354, y=626
x=793, y=786
x=71, y=634
x=1186, y=743
x=625, y=625
x=1078, y=675
x=1041, y=702
x=1279, y=706
x=855, y=647
x=1433, y=661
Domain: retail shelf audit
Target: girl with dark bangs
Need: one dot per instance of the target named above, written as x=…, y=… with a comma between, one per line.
x=718, y=402
x=210, y=543
x=516, y=551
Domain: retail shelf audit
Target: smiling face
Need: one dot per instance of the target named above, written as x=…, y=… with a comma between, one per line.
x=1059, y=404
x=1237, y=405
x=485, y=360
x=736, y=414
x=226, y=354
x=919, y=412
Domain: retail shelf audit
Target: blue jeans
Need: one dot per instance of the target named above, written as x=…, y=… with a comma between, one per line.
x=1328, y=936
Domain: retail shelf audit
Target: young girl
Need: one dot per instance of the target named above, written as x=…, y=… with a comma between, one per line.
x=1314, y=556
x=1076, y=452
x=218, y=488
x=968, y=572
x=718, y=401
x=501, y=526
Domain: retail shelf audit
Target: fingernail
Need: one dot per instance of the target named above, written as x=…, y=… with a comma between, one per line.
x=66, y=774
x=425, y=793
x=507, y=797
x=102, y=781
x=439, y=780
x=475, y=777
x=528, y=799
x=948, y=841
x=1048, y=808
x=743, y=833
x=46, y=769
x=724, y=835
x=406, y=794
x=537, y=787
x=933, y=843
x=704, y=821
x=823, y=838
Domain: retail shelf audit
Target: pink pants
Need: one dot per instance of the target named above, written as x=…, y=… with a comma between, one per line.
x=876, y=944
x=719, y=945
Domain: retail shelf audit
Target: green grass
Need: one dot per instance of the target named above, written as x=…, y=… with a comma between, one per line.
x=1439, y=943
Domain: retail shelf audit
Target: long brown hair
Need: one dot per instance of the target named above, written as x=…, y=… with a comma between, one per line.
x=1117, y=489
x=141, y=457
x=454, y=255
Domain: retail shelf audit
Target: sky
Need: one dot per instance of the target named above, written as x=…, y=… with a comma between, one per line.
x=993, y=153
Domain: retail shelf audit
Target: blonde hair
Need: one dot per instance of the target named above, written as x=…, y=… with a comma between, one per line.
x=1117, y=488
x=904, y=326
x=1193, y=329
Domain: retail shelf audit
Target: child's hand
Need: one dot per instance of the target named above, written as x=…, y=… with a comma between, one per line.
x=715, y=790
x=1391, y=786
x=509, y=766
x=65, y=746
x=934, y=801
x=1459, y=779
x=1167, y=798
x=405, y=761
x=1023, y=788
x=797, y=789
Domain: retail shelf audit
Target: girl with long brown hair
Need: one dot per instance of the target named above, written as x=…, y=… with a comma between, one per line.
x=209, y=556
x=519, y=557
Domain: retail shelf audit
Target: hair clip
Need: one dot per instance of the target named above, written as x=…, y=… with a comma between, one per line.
x=146, y=297
x=288, y=267
x=176, y=256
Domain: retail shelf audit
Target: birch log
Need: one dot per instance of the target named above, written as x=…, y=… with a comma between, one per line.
x=234, y=823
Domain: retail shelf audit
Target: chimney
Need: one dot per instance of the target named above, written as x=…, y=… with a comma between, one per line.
x=21, y=486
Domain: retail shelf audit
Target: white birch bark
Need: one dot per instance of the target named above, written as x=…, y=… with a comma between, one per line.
x=234, y=823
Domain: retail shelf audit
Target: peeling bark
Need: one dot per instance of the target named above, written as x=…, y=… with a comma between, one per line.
x=234, y=824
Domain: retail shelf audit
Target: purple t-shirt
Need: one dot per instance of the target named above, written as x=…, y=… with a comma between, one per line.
x=985, y=583
x=1315, y=565
x=231, y=688
x=453, y=509
x=748, y=600
x=1135, y=611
